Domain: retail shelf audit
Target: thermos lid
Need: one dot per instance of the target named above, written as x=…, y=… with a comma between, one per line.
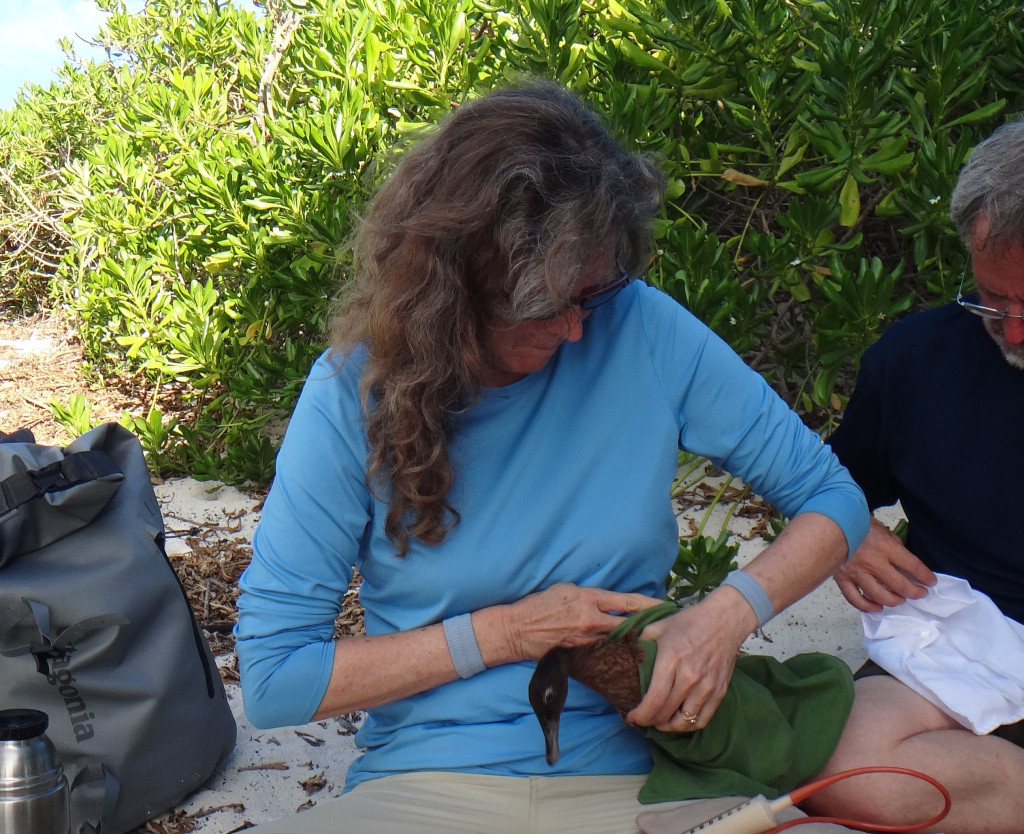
x=17, y=724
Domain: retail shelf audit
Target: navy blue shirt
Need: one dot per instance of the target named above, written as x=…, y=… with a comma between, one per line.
x=937, y=422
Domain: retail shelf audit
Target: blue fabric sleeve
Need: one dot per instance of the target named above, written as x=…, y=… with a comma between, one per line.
x=729, y=413
x=316, y=508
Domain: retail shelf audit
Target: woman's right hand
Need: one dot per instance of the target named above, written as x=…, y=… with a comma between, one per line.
x=369, y=671
x=562, y=615
x=882, y=572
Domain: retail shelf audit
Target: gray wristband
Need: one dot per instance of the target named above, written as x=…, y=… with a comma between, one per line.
x=462, y=646
x=753, y=593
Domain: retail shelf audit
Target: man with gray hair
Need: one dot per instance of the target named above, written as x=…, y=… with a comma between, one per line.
x=935, y=423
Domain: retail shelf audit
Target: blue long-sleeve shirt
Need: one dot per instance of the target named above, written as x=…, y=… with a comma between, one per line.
x=563, y=476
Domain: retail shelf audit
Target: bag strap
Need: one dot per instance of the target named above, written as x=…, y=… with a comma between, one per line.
x=76, y=468
x=17, y=436
x=83, y=792
x=48, y=647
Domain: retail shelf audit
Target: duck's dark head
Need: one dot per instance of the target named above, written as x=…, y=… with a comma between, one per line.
x=549, y=687
x=609, y=668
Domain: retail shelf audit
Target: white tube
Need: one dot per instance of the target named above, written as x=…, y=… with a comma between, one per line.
x=754, y=816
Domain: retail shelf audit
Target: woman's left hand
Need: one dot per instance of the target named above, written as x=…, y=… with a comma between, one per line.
x=697, y=651
x=697, y=647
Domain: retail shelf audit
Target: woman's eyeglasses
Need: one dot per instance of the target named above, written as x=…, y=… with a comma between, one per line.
x=601, y=295
x=593, y=296
x=972, y=304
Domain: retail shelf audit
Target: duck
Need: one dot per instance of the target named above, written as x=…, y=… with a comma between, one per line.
x=788, y=714
x=610, y=667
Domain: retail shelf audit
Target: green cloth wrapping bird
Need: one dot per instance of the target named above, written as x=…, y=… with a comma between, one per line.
x=777, y=726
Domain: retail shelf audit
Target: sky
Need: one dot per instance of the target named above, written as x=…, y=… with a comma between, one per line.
x=29, y=31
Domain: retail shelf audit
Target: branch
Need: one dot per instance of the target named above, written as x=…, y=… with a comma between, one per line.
x=284, y=28
x=45, y=219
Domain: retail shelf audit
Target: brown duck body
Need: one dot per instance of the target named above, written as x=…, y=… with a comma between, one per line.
x=610, y=668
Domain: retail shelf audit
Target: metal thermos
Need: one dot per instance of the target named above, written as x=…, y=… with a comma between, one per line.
x=33, y=791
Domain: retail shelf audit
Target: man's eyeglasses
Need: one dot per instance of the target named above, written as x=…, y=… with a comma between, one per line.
x=973, y=305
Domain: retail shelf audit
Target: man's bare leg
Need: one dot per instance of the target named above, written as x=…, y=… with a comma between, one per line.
x=892, y=725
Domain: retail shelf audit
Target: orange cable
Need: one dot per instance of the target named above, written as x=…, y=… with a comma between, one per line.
x=800, y=794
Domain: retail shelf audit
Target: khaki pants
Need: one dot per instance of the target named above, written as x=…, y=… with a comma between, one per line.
x=459, y=803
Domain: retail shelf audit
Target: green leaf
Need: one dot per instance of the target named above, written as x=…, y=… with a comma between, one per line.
x=982, y=114
x=809, y=66
x=791, y=160
x=891, y=166
x=641, y=57
x=263, y=205
x=849, y=202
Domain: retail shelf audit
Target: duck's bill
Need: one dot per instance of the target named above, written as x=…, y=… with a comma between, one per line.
x=551, y=741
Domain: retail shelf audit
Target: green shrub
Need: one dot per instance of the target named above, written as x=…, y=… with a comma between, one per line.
x=189, y=199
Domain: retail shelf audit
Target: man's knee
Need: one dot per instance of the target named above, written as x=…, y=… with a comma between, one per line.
x=886, y=712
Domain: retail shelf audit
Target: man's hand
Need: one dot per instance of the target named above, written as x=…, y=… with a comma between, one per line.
x=882, y=572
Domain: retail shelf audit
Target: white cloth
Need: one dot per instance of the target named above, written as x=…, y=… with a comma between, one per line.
x=955, y=648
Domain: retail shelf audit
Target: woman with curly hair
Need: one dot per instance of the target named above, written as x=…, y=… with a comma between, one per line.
x=491, y=441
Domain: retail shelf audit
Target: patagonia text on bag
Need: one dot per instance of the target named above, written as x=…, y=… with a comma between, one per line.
x=95, y=630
